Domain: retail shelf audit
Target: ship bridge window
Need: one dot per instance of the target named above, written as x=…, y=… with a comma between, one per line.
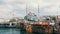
x=13, y=24
x=5, y=24
x=1, y=24
x=59, y=23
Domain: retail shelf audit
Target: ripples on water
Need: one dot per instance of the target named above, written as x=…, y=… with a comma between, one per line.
x=12, y=31
x=9, y=31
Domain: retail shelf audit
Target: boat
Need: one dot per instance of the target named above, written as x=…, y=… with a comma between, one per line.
x=8, y=25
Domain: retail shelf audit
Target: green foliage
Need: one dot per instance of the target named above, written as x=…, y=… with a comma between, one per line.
x=47, y=18
x=54, y=18
x=12, y=20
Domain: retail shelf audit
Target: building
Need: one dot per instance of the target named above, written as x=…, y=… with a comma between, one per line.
x=31, y=16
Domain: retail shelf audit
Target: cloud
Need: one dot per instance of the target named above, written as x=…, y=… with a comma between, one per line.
x=18, y=7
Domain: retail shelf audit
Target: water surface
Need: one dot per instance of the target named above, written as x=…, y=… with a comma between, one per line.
x=9, y=31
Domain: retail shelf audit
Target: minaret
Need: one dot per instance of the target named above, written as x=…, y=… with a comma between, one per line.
x=38, y=10
x=26, y=9
x=56, y=16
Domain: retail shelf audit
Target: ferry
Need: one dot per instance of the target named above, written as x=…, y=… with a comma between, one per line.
x=6, y=24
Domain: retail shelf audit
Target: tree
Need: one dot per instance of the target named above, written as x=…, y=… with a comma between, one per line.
x=47, y=18
x=54, y=18
x=12, y=20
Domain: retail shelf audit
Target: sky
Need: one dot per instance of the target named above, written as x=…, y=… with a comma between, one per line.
x=17, y=8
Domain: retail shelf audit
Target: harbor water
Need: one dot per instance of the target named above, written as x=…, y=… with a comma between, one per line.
x=12, y=31
x=9, y=31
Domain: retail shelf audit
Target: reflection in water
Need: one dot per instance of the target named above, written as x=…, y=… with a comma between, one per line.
x=14, y=31
x=9, y=31
x=23, y=32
